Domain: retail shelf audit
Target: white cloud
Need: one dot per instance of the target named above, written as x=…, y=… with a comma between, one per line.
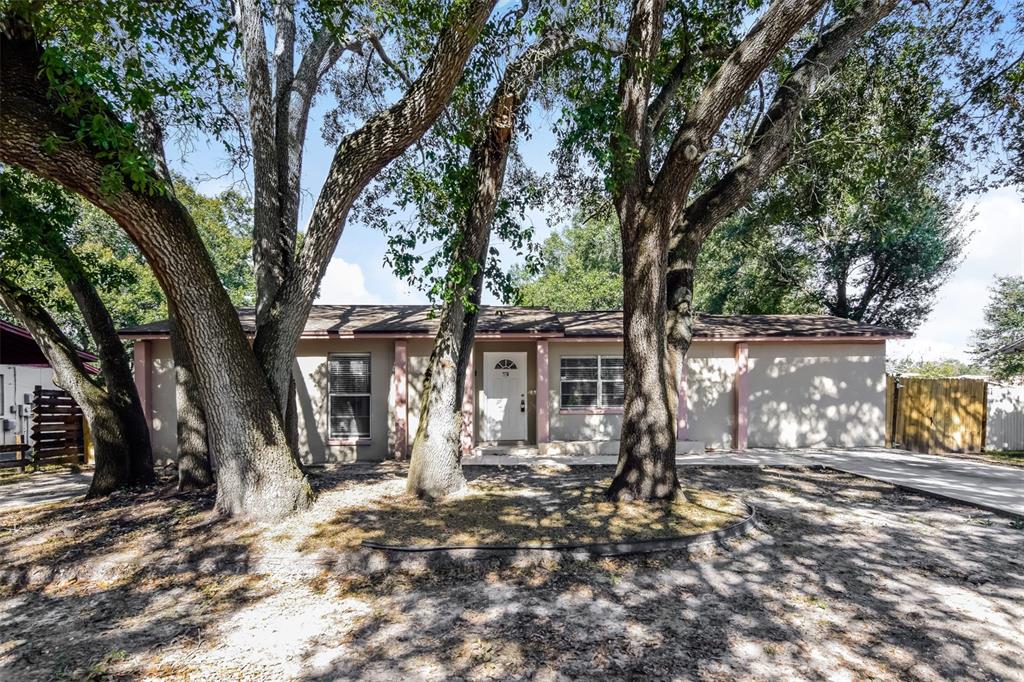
x=344, y=283
x=996, y=248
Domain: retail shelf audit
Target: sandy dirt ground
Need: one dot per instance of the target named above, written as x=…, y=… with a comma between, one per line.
x=842, y=578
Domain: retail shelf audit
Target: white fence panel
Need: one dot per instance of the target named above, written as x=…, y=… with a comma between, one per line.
x=1005, y=419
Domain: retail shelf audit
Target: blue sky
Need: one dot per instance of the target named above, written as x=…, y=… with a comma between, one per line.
x=357, y=273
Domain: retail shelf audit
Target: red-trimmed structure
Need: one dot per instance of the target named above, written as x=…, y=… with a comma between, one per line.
x=553, y=381
x=23, y=367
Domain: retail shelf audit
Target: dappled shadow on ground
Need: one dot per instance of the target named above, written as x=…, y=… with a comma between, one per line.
x=843, y=577
x=847, y=576
x=525, y=506
x=86, y=584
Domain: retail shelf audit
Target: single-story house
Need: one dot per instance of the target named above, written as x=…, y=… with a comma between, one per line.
x=553, y=381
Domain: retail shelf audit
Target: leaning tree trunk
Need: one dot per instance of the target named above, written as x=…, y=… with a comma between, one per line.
x=257, y=475
x=646, y=468
x=111, y=449
x=112, y=468
x=435, y=467
x=194, y=469
x=122, y=393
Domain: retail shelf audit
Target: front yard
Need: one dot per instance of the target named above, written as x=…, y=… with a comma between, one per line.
x=842, y=578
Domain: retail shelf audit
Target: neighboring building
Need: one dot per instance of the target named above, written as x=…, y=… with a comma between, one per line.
x=23, y=367
x=553, y=381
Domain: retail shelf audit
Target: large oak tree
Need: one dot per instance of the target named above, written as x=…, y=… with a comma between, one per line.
x=42, y=105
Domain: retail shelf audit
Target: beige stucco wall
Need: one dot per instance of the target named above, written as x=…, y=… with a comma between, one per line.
x=711, y=368
x=800, y=395
x=816, y=394
x=311, y=395
x=568, y=425
x=310, y=371
x=164, y=423
x=710, y=394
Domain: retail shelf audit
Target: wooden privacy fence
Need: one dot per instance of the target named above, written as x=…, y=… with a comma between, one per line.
x=935, y=415
x=58, y=429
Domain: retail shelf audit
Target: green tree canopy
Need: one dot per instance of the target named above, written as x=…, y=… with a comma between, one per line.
x=1004, y=324
x=863, y=222
x=581, y=268
x=34, y=207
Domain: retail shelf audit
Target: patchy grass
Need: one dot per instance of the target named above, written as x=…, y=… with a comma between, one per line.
x=844, y=578
x=1007, y=457
x=10, y=475
x=1014, y=457
x=526, y=507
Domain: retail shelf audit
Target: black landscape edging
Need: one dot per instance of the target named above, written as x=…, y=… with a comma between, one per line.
x=593, y=548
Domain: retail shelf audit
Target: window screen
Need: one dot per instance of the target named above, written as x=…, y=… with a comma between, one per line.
x=579, y=382
x=349, y=396
x=613, y=386
x=592, y=382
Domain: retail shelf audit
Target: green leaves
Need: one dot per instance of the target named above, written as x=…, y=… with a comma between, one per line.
x=581, y=268
x=39, y=220
x=1004, y=324
x=107, y=63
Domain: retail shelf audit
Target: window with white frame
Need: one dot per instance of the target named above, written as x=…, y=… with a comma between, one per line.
x=348, y=387
x=592, y=381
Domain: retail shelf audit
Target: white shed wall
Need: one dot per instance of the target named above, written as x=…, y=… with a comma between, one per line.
x=1004, y=428
x=164, y=422
x=16, y=384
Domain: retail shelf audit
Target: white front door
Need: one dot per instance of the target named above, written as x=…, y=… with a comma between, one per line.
x=504, y=402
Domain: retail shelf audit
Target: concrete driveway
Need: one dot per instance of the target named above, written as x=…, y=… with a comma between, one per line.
x=39, y=488
x=989, y=486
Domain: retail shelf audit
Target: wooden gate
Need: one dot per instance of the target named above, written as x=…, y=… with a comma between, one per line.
x=58, y=429
x=935, y=415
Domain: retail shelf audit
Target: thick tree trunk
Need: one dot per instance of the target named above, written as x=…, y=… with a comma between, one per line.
x=120, y=384
x=435, y=468
x=194, y=460
x=647, y=449
x=112, y=451
x=112, y=455
x=256, y=472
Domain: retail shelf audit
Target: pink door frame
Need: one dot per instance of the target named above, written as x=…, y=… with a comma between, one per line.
x=742, y=395
x=142, y=360
x=398, y=399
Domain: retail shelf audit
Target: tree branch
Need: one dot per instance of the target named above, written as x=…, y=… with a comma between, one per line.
x=630, y=143
x=762, y=43
x=771, y=142
x=268, y=258
x=358, y=158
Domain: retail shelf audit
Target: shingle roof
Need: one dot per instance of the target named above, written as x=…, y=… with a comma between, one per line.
x=356, y=320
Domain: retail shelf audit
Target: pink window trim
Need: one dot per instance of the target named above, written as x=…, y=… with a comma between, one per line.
x=399, y=399
x=543, y=392
x=143, y=360
x=682, y=426
x=467, y=436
